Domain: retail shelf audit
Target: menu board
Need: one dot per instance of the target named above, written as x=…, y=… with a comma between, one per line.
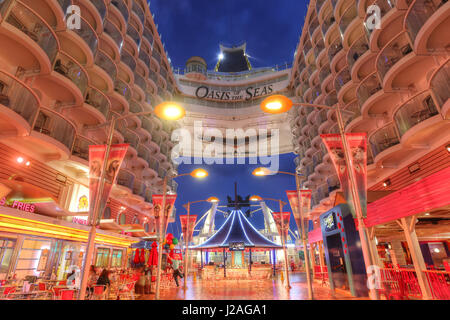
x=237, y=246
x=329, y=222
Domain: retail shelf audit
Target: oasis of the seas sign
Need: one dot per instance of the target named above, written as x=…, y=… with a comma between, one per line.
x=246, y=94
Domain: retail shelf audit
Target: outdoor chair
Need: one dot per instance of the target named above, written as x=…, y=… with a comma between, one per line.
x=67, y=294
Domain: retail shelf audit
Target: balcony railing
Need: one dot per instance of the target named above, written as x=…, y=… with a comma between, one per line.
x=153, y=76
x=71, y=69
x=312, y=27
x=319, y=4
x=139, y=11
x=319, y=47
x=98, y=100
x=81, y=147
x=148, y=35
x=130, y=137
x=306, y=47
x=358, y=48
x=106, y=63
x=122, y=88
x=396, y=49
x=334, y=48
x=140, y=81
x=327, y=23
x=17, y=96
x=367, y=88
x=385, y=6
x=126, y=179
x=342, y=78
x=419, y=13
x=134, y=34
x=353, y=112
x=101, y=7
x=440, y=84
x=324, y=72
x=156, y=55
x=128, y=59
x=113, y=31
x=348, y=16
x=331, y=99
x=414, y=111
x=120, y=4
x=145, y=57
x=36, y=28
x=88, y=34
x=135, y=107
x=53, y=125
x=383, y=139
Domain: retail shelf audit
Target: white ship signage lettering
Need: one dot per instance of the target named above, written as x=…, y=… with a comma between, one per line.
x=249, y=93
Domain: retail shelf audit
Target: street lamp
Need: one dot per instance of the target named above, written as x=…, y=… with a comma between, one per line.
x=162, y=113
x=260, y=172
x=197, y=173
x=187, y=234
x=277, y=104
x=282, y=232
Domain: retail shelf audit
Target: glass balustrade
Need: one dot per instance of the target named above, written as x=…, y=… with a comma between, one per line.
x=358, y=48
x=128, y=59
x=415, y=111
x=71, y=69
x=139, y=11
x=101, y=7
x=306, y=47
x=18, y=97
x=348, y=16
x=319, y=4
x=312, y=27
x=319, y=47
x=327, y=23
x=351, y=112
x=418, y=15
x=322, y=116
x=144, y=56
x=383, y=139
x=140, y=81
x=81, y=147
x=56, y=127
x=156, y=55
x=121, y=5
x=122, y=88
x=440, y=84
x=368, y=87
x=342, y=78
x=334, y=48
x=134, y=34
x=324, y=73
x=317, y=91
x=148, y=35
x=153, y=76
x=98, y=100
x=130, y=137
x=36, y=28
x=331, y=99
x=88, y=34
x=135, y=107
x=396, y=49
x=113, y=31
x=106, y=63
x=126, y=179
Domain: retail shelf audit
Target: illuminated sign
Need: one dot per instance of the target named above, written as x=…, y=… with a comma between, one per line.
x=79, y=201
x=237, y=246
x=329, y=222
x=203, y=92
x=80, y=220
x=27, y=207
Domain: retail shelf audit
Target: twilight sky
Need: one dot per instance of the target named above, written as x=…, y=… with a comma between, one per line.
x=189, y=28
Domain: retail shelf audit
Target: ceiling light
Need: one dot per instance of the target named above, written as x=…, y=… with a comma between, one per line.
x=387, y=183
x=448, y=148
x=19, y=160
x=427, y=214
x=437, y=250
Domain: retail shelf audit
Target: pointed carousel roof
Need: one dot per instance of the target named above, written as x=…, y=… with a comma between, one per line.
x=237, y=229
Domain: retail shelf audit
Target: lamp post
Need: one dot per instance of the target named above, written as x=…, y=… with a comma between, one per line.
x=166, y=110
x=187, y=235
x=259, y=172
x=283, y=237
x=197, y=173
x=280, y=104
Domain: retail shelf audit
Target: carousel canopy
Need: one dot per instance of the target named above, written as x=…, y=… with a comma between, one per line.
x=237, y=230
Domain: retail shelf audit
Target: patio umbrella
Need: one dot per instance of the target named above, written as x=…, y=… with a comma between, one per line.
x=136, y=257
x=142, y=260
x=153, y=257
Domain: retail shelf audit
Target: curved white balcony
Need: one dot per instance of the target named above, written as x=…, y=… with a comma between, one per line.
x=386, y=16
x=440, y=87
x=383, y=141
x=111, y=30
x=367, y=90
x=80, y=150
x=121, y=5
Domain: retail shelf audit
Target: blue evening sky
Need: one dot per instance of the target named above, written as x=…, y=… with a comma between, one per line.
x=189, y=28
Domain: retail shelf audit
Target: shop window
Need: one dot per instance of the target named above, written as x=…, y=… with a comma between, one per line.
x=107, y=213
x=102, y=258
x=136, y=220
x=30, y=256
x=116, y=260
x=6, y=251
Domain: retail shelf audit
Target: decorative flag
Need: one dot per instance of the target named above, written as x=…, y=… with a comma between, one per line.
x=357, y=145
x=283, y=226
x=305, y=208
x=97, y=155
x=187, y=226
x=157, y=204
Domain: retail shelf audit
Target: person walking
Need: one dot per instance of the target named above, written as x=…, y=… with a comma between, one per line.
x=176, y=270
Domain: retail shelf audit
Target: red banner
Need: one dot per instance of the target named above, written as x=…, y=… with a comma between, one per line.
x=97, y=156
x=157, y=200
x=282, y=225
x=305, y=207
x=187, y=226
x=357, y=143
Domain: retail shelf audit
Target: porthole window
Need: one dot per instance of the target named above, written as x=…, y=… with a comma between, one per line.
x=107, y=213
x=122, y=219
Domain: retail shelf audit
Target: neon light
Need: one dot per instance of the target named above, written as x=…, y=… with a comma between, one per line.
x=233, y=213
x=218, y=231
x=245, y=233
x=276, y=245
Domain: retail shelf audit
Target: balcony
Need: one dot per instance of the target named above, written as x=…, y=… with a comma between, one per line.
x=128, y=59
x=101, y=7
x=140, y=81
x=352, y=112
x=122, y=7
x=367, y=88
x=98, y=100
x=125, y=179
x=53, y=125
x=383, y=139
x=342, y=78
x=36, y=28
x=418, y=14
x=122, y=88
x=312, y=27
x=331, y=99
x=334, y=48
x=440, y=85
x=348, y=16
x=88, y=34
x=137, y=9
x=81, y=147
x=145, y=57
x=396, y=49
x=319, y=4
x=156, y=55
x=113, y=31
x=414, y=111
x=327, y=23
x=135, y=107
x=106, y=63
x=18, y=97
x=307, y=46
x=148, y=35
x=134, y=34
x=358, y=48
x=72, y=70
